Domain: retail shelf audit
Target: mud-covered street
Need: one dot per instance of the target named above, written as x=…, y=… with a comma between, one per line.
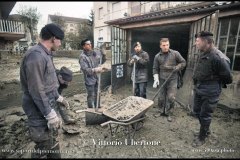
x=158, y=138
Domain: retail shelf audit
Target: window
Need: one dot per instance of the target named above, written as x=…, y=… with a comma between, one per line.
x=229, y=40
x=100, y=32
x=100, y=35
x=71, y=25
x=100, y=13
x=71, y=30
x=135, y=8
x=116, y=10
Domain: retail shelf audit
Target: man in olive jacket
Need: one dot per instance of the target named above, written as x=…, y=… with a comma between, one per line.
x=167, y=61
x=89, y=61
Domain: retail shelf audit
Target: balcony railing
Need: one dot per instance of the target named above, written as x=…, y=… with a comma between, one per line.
x=142, y=8
x=147, y=7
x=11, y=26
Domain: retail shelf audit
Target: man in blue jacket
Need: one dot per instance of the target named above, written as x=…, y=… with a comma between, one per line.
x=40, y=92
x=89, y=61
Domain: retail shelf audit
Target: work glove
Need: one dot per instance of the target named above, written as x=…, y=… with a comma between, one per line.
x=97, y=70
x=105, y=67
x=63, y=101
x=53, y=121
x=136, y=57
x=156, y=80
x=176, y=68
x=132, y=61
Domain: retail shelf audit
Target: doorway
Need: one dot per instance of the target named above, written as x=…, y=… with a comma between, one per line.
x=150, y=37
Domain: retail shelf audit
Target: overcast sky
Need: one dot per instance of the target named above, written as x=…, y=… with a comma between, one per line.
x=69, y=9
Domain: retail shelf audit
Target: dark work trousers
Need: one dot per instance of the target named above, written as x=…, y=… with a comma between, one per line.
x=92, y=95
x=167, y=94
x=204, y=106
x=46, y=140
x=47, y=143
x=140, y=89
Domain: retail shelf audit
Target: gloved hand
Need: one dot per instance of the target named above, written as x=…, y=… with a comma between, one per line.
x=176, y=68
x=132, y=61
x=97, y=70
x=63, y=101
x=136, y=57
x=53, y=121
x=156, y=80
x=105, y=67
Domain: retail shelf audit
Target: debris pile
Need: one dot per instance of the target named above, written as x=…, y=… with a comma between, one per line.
x=129, y=108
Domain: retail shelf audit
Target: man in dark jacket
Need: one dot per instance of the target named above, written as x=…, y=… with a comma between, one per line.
x=167, y=62
x=89, y=61
x=64, y=76
x=141, y=60
x=40, y=92
x=211, y=73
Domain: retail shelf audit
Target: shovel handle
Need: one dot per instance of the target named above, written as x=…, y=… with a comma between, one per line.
x=134, y=79
x=162, y=86
x=79, y=111
x=106, y=123
x=99, y=86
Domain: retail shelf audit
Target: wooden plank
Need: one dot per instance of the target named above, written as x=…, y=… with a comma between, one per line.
x=229, y=26
x=219, y=29
x=235, y=50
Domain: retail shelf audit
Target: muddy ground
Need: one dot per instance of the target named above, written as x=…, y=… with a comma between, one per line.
x=10, y=67
x=158, y=138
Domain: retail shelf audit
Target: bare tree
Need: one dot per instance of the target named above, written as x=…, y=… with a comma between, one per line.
x=58, y=19
x=30, y=17
x=91, y=19
x=86, y=31
x=73, y=40
x=91, y=24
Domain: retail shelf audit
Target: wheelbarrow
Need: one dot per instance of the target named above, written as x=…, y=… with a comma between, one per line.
x=129, y=113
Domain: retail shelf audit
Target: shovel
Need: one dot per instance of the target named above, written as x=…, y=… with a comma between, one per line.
x=164, y=110
x=134, y=73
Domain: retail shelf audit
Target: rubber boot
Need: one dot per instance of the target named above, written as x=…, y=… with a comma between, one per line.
x=91, y=104
x=54, y=147
x=171, y=106
x=200, y=140
x=55, y=154
x=197, y=133
x=160, y=104
x=169, y=118
x=66, y=118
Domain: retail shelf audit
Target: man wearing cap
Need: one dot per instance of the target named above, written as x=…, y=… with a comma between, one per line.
x=40, y=92
x=165, y=63
x=211, y=71
x=89, y=61
x=141, y=58
x=64, y=76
